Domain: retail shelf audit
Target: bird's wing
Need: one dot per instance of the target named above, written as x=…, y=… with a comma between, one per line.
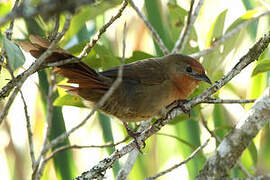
x=149, y=72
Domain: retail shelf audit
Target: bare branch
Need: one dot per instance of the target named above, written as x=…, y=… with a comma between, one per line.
x=228, y=101
x=191, y=156
x=183, y=37
x=232, y=146
x=151, y=29
x=220, y=41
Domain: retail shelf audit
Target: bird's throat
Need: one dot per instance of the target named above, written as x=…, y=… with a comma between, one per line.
x=184, y=86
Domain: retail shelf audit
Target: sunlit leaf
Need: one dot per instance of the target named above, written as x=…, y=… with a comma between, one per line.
x=212, y=61
x=230, y=43
x=5, y=8
x=216, y=30
x=262, y=66
x=14, y=53
x=69, y=100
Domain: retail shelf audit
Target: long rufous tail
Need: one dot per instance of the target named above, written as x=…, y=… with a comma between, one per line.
x=90, y=85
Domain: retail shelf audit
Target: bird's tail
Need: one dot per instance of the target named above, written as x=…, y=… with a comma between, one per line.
x=90, y=83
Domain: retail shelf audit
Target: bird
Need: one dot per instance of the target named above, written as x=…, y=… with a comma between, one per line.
x=147, y=88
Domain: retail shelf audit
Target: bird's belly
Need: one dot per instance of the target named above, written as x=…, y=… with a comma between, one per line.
x=131, y=105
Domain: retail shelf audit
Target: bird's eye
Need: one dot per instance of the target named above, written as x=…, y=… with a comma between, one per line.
x=189, y=69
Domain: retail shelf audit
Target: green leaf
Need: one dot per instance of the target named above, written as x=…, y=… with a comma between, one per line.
x=5, y=8
x=137, y=55
x=176, y=18
x=216, y=30
x=14, y=53
x=86, y=13
x=253, y=152
x=153, y=10
x=220, y=120
x=213, y=59
x=176, y=21
x=69, y=100
x=261, y=66
x=252, y=28
x=230, y=43
x=189, y=131
x=105, y=123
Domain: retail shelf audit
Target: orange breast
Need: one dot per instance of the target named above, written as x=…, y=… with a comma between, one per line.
x=184, y=86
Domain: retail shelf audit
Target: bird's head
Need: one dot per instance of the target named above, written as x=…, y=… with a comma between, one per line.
x=181, y=65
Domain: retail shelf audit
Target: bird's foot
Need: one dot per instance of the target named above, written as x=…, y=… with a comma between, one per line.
x=134, y=135
x=180, y=103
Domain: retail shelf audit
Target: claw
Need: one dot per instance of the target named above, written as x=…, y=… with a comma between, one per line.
x=180, y=103
x=134, y=135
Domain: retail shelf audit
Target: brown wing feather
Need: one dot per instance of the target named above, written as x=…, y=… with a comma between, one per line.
x=148, y=72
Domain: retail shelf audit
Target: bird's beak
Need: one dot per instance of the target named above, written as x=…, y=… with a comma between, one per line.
x=203, y=77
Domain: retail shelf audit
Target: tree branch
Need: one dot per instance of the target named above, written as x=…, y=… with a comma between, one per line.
x=237, y=140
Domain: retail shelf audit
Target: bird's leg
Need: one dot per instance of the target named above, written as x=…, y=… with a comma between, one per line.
x=134, y=135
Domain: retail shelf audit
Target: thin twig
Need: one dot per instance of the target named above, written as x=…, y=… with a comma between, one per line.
x=33, y=68
x=40, y=163
x=208, y=129
x=191, y=156
x=220, y=41
x=63, y=148
x=29, y=131
x=228, y=101
x=9, y=31
x=151, y=29
x=103, y=29
x=184, y=35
